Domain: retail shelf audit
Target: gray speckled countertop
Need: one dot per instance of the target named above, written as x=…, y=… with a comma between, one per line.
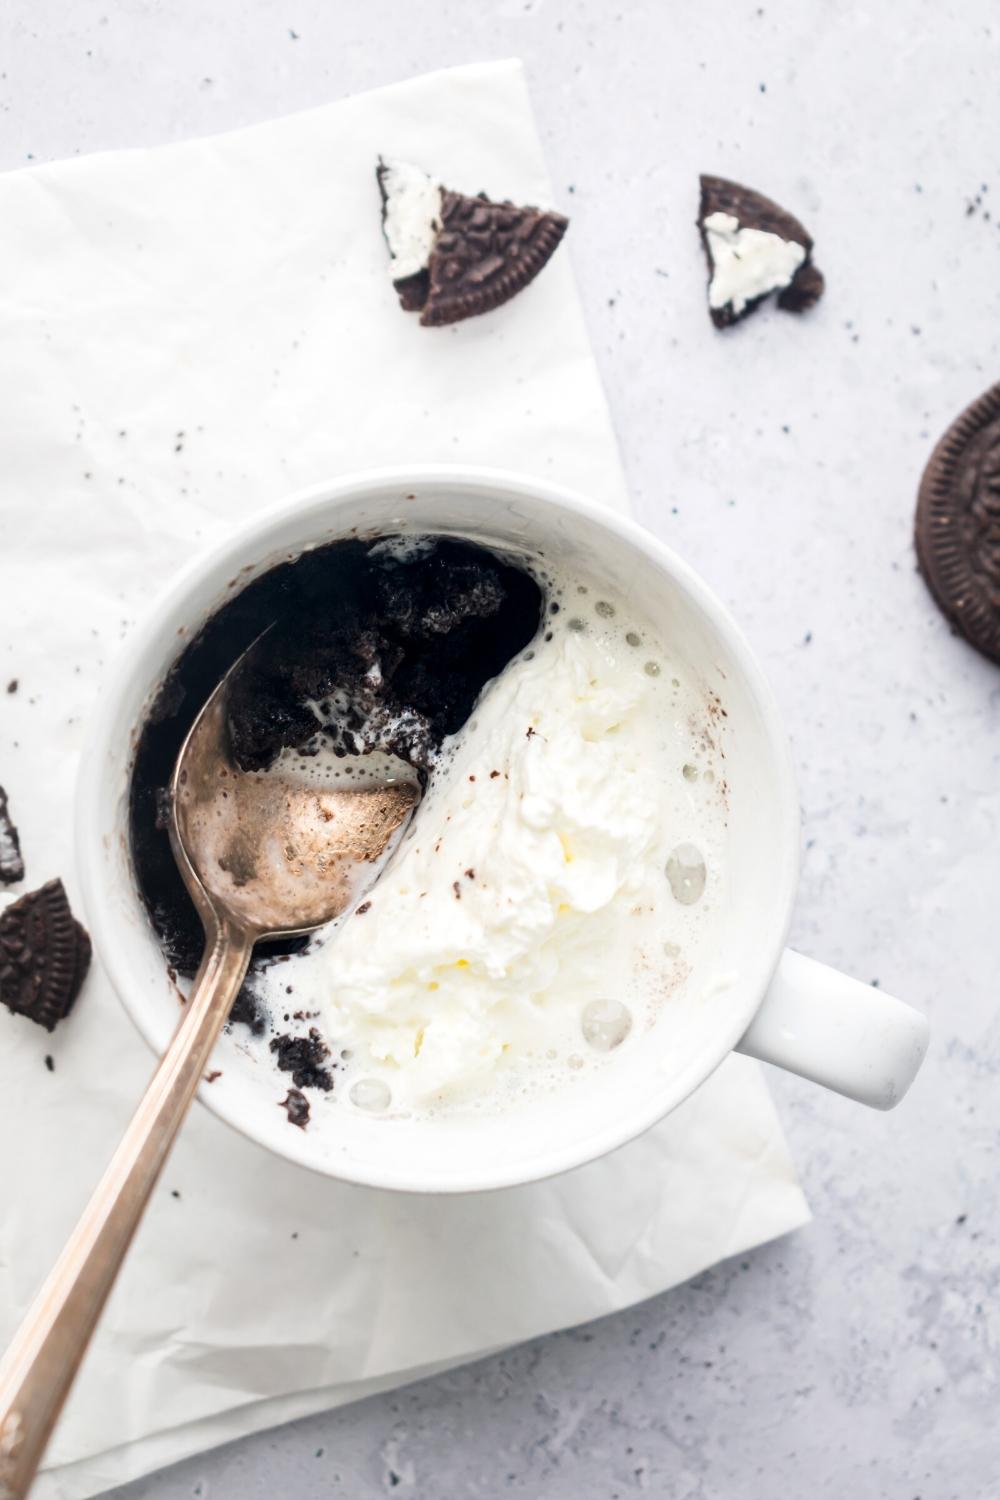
x=859, y=1357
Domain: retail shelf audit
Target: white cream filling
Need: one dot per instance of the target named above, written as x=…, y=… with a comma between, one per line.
x=747, y=263
x=412, y=216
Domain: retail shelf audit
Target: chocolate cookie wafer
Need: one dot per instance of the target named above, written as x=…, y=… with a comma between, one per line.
x=958, y=524
x=44, y=956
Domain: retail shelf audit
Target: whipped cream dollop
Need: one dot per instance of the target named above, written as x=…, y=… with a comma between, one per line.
x=527, y=923
x=747, y=263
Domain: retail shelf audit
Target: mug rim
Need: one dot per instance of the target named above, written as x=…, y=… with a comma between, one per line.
x=231, y=551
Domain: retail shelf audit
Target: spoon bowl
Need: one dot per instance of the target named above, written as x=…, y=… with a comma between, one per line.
x=275, y=852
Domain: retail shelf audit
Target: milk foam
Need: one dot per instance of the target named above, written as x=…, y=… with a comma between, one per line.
x=560, y=882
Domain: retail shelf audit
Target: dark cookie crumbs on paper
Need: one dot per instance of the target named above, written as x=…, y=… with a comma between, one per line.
x=753, y=210
x=958, y=524
x=11, y=862
x=44, y=956
x=296, y=1106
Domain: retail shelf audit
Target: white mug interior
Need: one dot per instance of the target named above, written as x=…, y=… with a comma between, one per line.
x=695, y=1028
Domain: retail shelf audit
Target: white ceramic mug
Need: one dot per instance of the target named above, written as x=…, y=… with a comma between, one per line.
x=759, y=997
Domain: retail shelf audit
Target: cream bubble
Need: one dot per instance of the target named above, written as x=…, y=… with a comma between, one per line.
x=687, y=874
x=605, y=1024
x=371, y=1094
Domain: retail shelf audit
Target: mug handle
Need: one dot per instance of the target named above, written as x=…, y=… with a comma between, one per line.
x=836, y=1031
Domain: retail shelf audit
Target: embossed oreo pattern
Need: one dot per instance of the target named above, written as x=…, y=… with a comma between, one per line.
x=484, y=254
x=958, y=524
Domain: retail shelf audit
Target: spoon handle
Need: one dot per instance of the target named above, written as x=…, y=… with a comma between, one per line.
x=38, y=1368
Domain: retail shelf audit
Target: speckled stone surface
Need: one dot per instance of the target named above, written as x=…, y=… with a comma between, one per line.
x=859, y=1357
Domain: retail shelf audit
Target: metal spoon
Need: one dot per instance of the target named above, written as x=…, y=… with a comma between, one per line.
x=263, y=856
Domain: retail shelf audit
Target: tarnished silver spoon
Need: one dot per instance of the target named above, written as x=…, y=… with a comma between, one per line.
x=264, y=856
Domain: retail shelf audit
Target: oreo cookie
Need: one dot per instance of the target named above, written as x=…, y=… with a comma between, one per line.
x=454, y=256
x=958, y=524
x=11, y=863
x=754, y=248
x=44, y=956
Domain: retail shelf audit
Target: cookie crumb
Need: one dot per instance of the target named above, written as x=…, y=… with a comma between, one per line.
x=296, y=1106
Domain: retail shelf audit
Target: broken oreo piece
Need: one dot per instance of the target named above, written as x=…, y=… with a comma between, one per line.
x=44, y=956
x=296, y=1106
x=11, y=863
x=754, y=248
x=455, y=256
x=958, y=524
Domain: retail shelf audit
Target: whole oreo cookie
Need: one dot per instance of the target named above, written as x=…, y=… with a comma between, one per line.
x=958, y=524
x=44, y=956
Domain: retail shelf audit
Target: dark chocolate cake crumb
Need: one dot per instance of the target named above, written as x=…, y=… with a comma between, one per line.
x=44, y=956
x=245, y=1011
x=304, y=1058
x=11, y=863
x=296, y=1105
x=406, y=651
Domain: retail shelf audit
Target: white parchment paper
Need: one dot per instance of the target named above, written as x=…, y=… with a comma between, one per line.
x=186, y=334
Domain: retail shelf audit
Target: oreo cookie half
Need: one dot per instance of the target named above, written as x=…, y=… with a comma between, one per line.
x=11, y=863
x=754, y=248
x=958, y=524
x=454, y=256
x=44, y=956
